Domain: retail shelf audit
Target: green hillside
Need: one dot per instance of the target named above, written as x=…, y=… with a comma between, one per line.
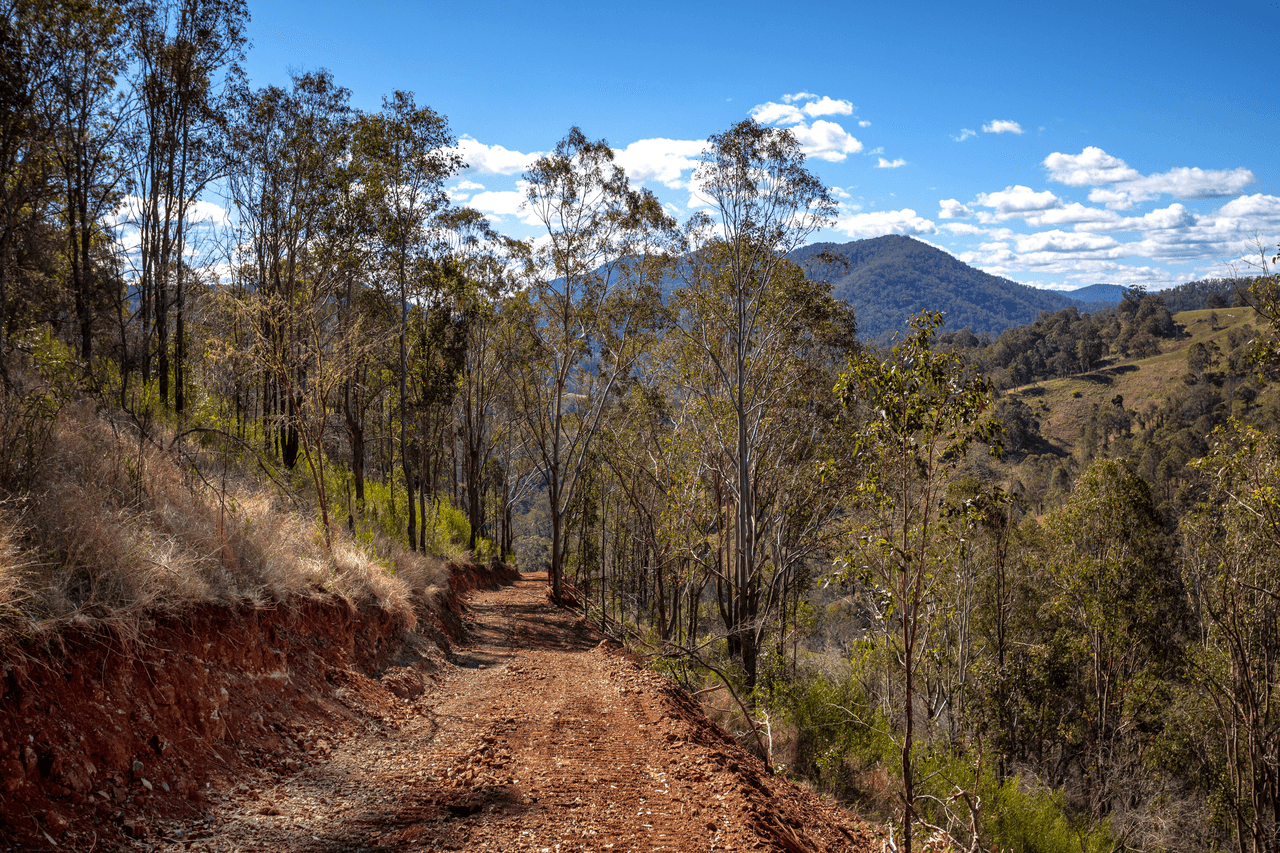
x=888, y=279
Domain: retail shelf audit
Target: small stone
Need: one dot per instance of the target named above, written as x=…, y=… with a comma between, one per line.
x=56, y=823
x=165, y=786
x=137, y=768
x=147, y=785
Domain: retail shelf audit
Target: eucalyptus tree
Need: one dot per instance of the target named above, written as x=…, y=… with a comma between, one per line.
x=1232, y=574
x=731, y=313
x=483, y=258
x=923, y=410
x=185, y=56
x=408, y=155
x=591, y=294
x=89, y=111
x=287, y=145
x=28, y=37
x=1113, y=617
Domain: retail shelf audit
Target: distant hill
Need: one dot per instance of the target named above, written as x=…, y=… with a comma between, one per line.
x=1111, y=293
x=887, y=279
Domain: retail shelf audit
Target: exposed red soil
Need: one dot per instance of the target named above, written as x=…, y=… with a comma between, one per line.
x=313, y=727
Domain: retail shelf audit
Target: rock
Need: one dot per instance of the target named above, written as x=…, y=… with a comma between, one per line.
x=147, y=785
x=56, y=823
x=135, y=827
x=137, y=768
x=13, y=775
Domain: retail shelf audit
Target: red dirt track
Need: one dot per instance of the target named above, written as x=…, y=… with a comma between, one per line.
x=536, y=736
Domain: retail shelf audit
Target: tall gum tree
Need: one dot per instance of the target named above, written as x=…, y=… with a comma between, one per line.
x=408, y=154
x=186, y=68
x=766, y=204
x=584, y=310
x=922, y=409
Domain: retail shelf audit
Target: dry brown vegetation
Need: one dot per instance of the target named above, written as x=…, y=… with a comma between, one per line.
x=120, y=521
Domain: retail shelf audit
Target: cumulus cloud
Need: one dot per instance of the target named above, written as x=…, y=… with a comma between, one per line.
x=1113, y=199
x=890, y=164
x=826, y=106
x=878, y=223
x=468, y=185
x=1195, y=183
x=964, y=229
x=1120, y=186
x=661, y=160
x=864, y=123
x=1076, y=214
x=965, y=133
x=826, y=140
x=1014, y=200
x=1090, y=167
x=1262, y=207
x=771, y=113
x=952, y=209
x=1002, y=126
x=493, y=159
x=1073, y=242
x=1173, y=216
x=206, y=212
x=822, y=139
x=500, y=203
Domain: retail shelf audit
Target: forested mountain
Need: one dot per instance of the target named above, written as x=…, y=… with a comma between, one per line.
x=888, y=279
x=1098, y=293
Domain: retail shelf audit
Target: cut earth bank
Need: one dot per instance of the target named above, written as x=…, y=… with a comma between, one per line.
x=502, y=723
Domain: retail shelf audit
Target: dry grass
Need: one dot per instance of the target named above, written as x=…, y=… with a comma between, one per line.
x=117, y=527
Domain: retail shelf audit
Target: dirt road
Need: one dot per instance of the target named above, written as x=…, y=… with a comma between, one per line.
x=538, y=738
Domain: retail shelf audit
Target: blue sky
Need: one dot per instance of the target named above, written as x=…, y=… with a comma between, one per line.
x=1133, y=143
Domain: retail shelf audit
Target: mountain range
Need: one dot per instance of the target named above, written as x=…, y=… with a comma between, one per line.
x=888, y=279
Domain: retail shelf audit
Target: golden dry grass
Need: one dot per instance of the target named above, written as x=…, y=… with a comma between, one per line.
x=117, y=527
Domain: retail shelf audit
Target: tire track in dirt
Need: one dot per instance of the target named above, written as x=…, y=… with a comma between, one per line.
x=540, y=738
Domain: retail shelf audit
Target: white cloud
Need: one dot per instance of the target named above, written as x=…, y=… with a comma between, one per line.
x=822, y=139
x=493, y=159
x=1083, y=218
x=890, y=164
x=826, y=106
x=1012, y=201
x=826, y=140
x=878, y=223
x=1194, y=182
x=499, y=203
x=469, y=185
x=1113, y=199
x=965, y=133
x=771, y=113
x=207, y=212
x=1119, y=186
x=964, y=229
x=1064, y=241
x=661, y=160
x=1263, y=207
x=1090, y=167
x=952, y=209
x=1002, y=126
x=1173, y=216
x=864, y=123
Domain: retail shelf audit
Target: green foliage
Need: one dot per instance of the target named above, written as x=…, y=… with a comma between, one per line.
x=1037, y=821
x=837, y=726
